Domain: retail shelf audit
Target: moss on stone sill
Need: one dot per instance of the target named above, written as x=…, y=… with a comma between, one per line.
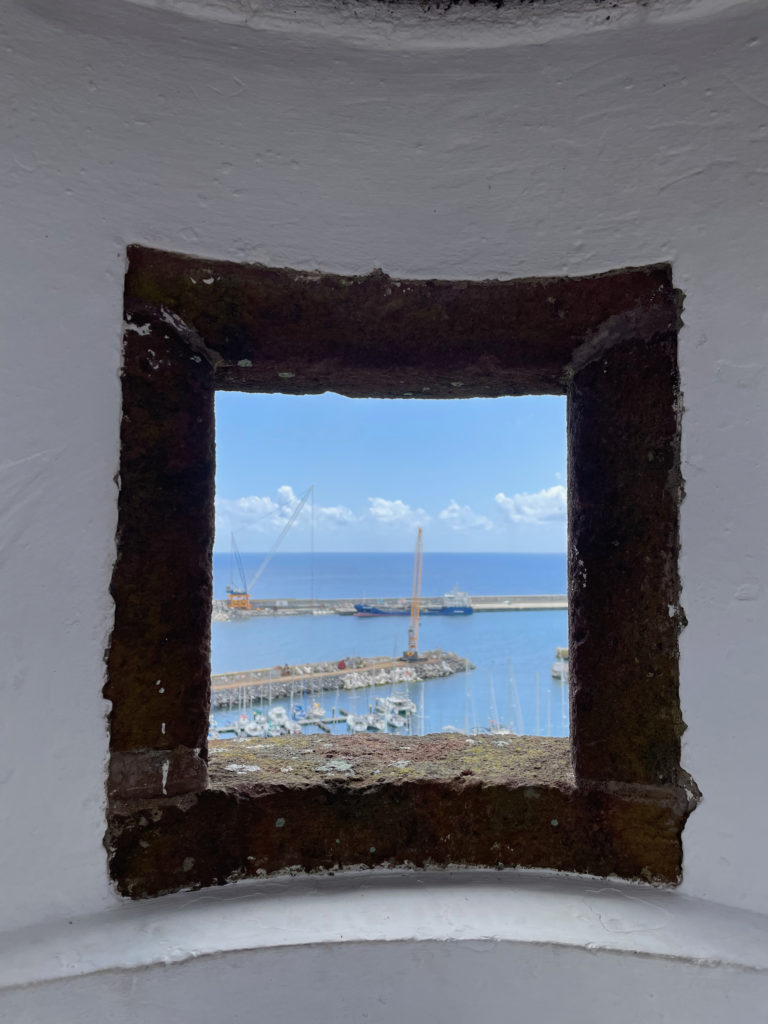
x=369, y=760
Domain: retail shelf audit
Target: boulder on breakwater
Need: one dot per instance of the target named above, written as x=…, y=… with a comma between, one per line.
x=285, y=681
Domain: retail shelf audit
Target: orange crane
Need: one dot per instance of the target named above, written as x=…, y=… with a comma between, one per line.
x=238, y=598
x=242, y=598
x=412, y=654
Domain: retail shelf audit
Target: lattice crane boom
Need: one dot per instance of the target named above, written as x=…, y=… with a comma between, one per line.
x=294, y=516
x=242, y=598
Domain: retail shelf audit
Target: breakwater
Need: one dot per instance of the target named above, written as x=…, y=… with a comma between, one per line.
x=346, y=605
x=230, y=689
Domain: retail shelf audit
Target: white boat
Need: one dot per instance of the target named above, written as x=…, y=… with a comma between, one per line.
x=281, y=724
x=396, y=710
x=560, y=668
x=492, y=729
x=397, y=721
x=367, y=723
x=259, y=726
x=396, y=705
x=497, y=729
x=357, y=723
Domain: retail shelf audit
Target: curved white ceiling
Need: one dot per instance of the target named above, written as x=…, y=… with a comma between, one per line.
x=427, y=23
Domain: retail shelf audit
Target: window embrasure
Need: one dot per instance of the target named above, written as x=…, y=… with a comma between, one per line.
x=613, y=799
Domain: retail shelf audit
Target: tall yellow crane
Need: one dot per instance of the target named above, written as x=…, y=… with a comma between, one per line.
x=412, y=654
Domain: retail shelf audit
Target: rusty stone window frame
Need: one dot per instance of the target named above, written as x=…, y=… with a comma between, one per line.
x=613, y=799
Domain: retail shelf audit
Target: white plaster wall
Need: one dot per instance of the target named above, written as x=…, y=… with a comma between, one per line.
x=534, y=150
x=409, y=984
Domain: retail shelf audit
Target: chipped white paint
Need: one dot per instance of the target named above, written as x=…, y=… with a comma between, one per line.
x=142, y=329
x=165, y=770
x=452, y=149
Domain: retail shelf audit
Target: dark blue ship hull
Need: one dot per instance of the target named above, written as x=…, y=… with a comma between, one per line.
x=364, y=611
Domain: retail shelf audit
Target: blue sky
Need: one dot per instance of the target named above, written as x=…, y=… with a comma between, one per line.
x=477, y=474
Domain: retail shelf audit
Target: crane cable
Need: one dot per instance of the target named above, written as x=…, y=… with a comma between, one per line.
x=294, y=516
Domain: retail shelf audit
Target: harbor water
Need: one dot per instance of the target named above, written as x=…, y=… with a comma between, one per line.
x=511, y=685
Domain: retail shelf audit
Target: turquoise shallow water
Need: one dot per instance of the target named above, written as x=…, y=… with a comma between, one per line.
x=513, y=651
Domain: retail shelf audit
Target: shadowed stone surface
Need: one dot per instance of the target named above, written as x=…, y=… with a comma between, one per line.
x=624, y=488
x=267, y=329
x=158, y=663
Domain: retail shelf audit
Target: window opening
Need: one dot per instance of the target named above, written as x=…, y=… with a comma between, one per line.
x=611, y=801
x=316, y=603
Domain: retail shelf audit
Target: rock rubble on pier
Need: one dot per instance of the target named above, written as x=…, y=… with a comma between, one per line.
x=281, y=682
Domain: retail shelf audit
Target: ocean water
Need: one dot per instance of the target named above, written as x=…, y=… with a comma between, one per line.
x=324, y=575
x=512, y=651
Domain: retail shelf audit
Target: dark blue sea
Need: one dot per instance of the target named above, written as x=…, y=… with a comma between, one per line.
x=324, y=575
x=513, y=651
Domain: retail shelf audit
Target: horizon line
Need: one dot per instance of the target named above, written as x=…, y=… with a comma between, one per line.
x=406, y=552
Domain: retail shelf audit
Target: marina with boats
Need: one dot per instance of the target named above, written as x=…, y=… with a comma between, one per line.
x=340, y=697
x=418, y=691
x=392, y=714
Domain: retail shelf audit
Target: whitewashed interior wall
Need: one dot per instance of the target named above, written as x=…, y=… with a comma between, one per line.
x=472, y=150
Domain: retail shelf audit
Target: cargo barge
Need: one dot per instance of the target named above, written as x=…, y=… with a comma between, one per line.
x=455, y=602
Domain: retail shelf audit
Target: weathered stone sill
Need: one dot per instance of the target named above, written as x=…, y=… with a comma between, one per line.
x=312, y=803
x=367, y=760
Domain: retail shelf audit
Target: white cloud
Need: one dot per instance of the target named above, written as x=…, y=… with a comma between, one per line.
x=286, y=496
x=545, y=506
x=253, y=512
x=396, y=513
x=266, y=515
x=335, y=515
x=461, y=517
